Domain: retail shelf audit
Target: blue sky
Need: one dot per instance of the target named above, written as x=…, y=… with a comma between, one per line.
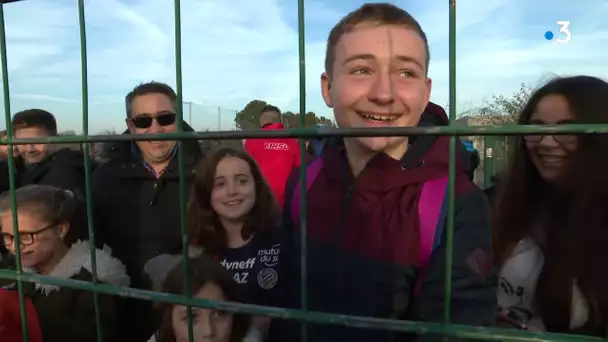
x=236, y=51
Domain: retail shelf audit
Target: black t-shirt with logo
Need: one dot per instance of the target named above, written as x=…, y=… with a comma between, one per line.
x=255, y=267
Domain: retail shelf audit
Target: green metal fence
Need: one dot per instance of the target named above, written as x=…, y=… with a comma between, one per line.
x=494, y=154
x=303, y=315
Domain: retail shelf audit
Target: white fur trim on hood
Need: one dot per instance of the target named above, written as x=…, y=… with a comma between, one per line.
x=109, y=269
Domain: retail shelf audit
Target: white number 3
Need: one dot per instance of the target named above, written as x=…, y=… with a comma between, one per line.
x=564, y=29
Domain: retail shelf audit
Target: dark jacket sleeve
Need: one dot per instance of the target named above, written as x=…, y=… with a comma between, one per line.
x=474, y=280
x=99, y=190
x=288, y=291
x=4, y=180
x=289, y=263
x=4, y=174
x=7, y=262
x=81, y=325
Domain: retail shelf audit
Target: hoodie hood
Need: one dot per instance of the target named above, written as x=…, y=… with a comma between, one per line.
x=427, y=158
x=273, y=126
x=109, y=269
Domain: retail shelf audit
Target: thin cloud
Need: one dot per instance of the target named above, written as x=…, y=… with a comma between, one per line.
x=235, y=52
x=43, y=97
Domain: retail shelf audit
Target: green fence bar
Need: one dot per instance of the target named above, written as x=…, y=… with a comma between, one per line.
x=306, y=133
x=488, y=159
x=303, y=156
x=87, y=162
x=484, y=333
x=11, y=165
x=180, y=159
x=449, y=252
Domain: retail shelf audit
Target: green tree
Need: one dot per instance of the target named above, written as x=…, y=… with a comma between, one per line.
x=292, y=120
x=249, y=117
x=500, y=109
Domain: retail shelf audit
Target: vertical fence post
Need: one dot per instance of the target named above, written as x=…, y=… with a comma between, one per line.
x=452, y=169
x=11, y=173
x=303, y=210
x=488, y=159
x=87, y=162
x=180, y=160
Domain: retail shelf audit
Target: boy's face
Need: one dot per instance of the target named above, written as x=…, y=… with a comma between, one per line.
x=378, y=80
x=33, y=153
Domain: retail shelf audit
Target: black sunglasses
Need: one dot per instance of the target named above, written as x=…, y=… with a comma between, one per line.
x=145, y=121
x=26, y=239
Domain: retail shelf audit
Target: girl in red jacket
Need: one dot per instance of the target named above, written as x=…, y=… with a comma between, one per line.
x=64, y=314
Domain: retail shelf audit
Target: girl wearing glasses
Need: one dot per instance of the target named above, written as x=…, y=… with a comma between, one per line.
x=64, y=314
x=550, y=216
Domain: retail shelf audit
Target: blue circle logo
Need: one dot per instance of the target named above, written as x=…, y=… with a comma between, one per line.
x=548, y=35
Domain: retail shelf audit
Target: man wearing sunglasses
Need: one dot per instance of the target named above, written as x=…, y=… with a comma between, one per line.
x=136, y=194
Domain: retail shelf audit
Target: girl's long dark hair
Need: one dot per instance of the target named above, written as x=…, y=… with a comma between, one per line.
x=571, y=215
x=202, y=271
x=204, y=227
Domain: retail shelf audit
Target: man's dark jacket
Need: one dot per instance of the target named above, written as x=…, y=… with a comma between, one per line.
x=4, y=173
x=138, y=216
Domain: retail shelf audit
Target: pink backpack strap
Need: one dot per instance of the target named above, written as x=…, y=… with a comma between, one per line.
x=431, y=215
x=312, y=170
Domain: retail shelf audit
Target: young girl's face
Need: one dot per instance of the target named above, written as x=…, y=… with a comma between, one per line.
x=39, y=239
x=208, y=325
x=551, y=153
x=233, y=193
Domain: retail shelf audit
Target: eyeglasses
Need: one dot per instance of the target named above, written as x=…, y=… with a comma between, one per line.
x=145, y=121
x=26, y=239
x=562, y=139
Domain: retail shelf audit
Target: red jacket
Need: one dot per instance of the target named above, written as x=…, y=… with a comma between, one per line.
x=276, y=158
x=10, y=318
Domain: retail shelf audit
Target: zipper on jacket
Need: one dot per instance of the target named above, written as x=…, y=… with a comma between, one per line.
x=344, y=214
x=347, y=198
x=155, y=191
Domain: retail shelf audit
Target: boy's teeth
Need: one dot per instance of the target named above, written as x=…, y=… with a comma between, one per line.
x=378, y=118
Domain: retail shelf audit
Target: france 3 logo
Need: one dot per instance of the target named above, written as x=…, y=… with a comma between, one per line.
x=564, y=36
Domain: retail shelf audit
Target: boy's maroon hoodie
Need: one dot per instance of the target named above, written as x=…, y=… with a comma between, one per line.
x=363, y=243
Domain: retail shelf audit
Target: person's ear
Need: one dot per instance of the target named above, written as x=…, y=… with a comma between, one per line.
x=325, y=89
x=64, y=228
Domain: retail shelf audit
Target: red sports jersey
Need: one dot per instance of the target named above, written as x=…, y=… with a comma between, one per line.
x=276, y=158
